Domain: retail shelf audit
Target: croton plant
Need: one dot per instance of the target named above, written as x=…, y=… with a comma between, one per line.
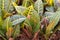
x=29, y=20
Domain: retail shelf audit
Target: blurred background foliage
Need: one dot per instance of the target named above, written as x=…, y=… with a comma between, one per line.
x=34, y=16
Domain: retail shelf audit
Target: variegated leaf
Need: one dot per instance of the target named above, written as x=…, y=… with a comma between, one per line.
x=20, y=9
x=39, y=6
x=8, y=5
x=16, y=19
x=27, y=3
x=52, y=25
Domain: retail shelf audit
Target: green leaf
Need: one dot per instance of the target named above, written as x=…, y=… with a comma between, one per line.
x=39, y=6
x=16, y=19
x=0, y=7
x=57, y=28
x=1, y=21
x=34, y=21
x=52, y=25
x=7, y=23
x=50, y=9
x=37, y=27
x=28, y=10
x=16, y=31
x=27, y=3
x=2, y=33
x=23, y=10
x=52, y=15
x=20, y=9
x=7, y=5
x=1, y=25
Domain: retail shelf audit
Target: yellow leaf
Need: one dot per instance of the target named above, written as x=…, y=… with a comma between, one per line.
x=28, y=11
x=7, y=14
x=9, y=32
x=30, y=8
x=49, y=2
x=14, y=4
x=51, y=26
